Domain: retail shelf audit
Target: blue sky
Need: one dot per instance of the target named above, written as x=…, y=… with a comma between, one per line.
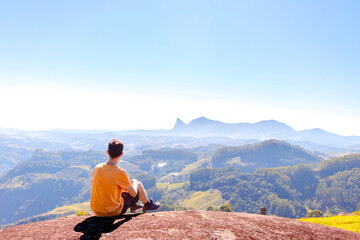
x=141, y=64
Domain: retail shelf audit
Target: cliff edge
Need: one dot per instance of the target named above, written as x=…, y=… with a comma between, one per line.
x=185, y=225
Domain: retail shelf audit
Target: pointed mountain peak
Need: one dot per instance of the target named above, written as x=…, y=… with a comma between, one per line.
x=179, y=123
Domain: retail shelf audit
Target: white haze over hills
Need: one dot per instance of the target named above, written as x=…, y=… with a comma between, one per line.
x=268, y=129
x=18, y=145
x=203, y=128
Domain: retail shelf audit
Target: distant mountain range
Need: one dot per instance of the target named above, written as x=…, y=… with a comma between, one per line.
x=18, y=145
x=198, y=128
x=263, y=130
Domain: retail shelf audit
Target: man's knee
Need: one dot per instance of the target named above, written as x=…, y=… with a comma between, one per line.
x=140, y=185
x=137, y=182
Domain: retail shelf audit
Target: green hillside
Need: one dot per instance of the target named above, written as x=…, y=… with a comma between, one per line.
x=285, y=191
x=271, y=153
x=79, y=208
x=332, y=166
x=163, y=162
x=44, y=182
x=202, y=200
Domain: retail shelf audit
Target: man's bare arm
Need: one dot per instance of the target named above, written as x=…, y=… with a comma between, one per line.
x=132, y=189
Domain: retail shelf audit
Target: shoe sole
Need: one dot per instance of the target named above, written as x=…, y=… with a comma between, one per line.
x=150, y=210
x=136, y=210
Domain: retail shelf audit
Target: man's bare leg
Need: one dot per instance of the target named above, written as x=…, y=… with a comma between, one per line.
x=139, y=188
x=149, y=205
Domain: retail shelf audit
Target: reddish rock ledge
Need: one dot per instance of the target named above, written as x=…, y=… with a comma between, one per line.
x=185, y=225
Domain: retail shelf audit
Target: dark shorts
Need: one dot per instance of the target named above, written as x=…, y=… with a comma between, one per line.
x=128, y=201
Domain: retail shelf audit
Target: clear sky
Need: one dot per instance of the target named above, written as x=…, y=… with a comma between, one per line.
x=141, y=64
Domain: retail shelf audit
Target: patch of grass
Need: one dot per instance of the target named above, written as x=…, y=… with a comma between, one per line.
x=85, y=167
x=236, y=161
x=168, y=186
x=23, y=182
x=15, y=182
x=185, y=173
x=191, y=167
x=82, y=213
x=202, y=200
x=75, y=208
x=72, y=172
x=350, y=223
x=162, y=185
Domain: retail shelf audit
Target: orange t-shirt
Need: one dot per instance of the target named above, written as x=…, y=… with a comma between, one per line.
x=107, y=184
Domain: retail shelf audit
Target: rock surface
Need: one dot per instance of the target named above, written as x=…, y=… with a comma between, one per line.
x=185, y=225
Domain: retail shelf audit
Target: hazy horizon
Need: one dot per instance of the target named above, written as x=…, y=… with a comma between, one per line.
x=140, y=129
x=124, y=66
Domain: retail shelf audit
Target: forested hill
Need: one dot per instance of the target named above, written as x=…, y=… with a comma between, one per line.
x=332, y=166
x=332, y=186
x=48, y=180
x=271, y=153
x=163, y=162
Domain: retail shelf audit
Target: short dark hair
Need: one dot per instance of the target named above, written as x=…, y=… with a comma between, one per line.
x=115, y=148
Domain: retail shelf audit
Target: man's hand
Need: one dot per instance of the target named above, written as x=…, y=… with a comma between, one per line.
x=132, y=189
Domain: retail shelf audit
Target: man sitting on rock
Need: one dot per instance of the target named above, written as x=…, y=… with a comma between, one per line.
x=112, y=193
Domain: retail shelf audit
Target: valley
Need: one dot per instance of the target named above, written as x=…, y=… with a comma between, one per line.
x=181, y=171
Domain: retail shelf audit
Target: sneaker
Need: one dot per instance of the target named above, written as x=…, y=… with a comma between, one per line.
x=150, y=206
x=134, y=208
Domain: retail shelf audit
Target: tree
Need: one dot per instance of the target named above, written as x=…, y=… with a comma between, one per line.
x=282, y=207
x=225, y=207
x=210, y=208
x=314, y=213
